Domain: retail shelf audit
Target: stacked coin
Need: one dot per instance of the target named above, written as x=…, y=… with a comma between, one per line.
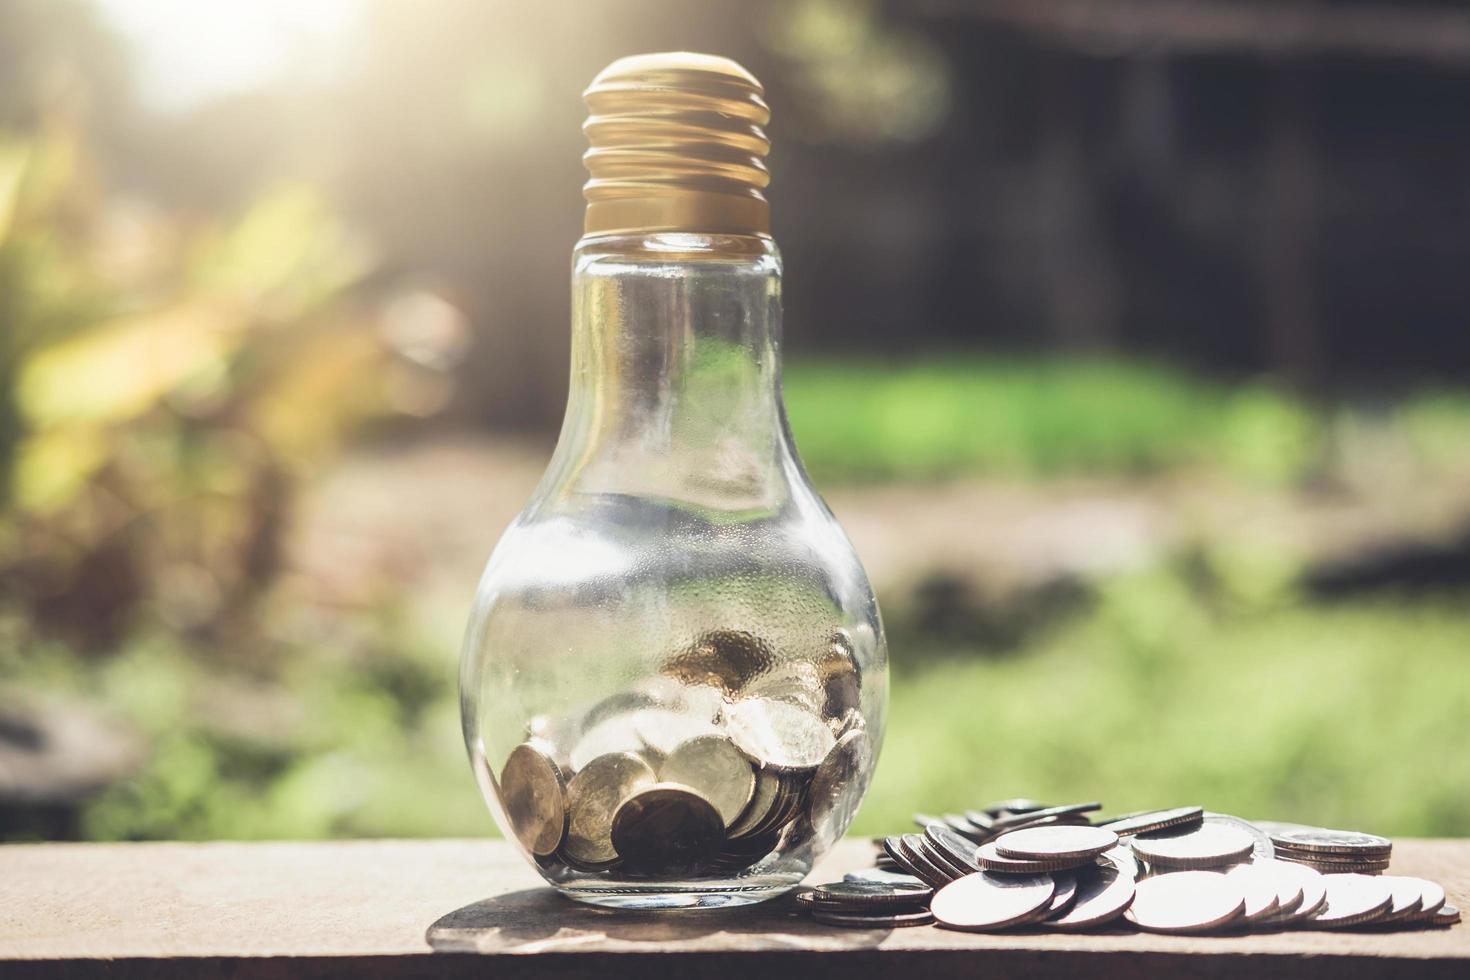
x=706, y=769
x=1181, y=870
x=857, y=903
x=1329, y=851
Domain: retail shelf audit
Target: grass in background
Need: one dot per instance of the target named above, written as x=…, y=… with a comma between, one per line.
x=1340, y=715
x=937, y=417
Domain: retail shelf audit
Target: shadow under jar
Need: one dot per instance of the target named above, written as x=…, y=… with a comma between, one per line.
x=674, y=677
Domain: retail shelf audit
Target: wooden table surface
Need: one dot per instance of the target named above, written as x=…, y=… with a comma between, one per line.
x=454, y=908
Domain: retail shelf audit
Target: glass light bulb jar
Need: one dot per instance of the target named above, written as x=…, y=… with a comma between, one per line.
x=674, y=677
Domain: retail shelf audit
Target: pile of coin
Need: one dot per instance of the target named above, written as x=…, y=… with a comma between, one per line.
x=728, y=755
x=1182, y=870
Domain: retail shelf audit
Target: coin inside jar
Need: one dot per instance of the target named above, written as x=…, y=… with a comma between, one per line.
x=712, y=765
x=837, y=786
x=593, y=795
x=1058, y=841
x=667, y=829
x=780, y=734
x=1186, y=902
x=534, y=796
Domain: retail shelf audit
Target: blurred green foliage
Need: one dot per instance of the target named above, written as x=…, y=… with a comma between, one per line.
x=941, y=416
x=1165, y=693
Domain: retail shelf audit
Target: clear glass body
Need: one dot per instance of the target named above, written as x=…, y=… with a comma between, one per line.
x=674, y=587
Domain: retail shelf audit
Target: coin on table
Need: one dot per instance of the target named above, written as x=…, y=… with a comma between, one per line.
x=1064, y=896
x=958, y=849
x=917, y=847
x=1259, y=888
x=593, y=795
x=1104, y=892
x=1013, y=820
x=882, y=877
x=534, y=795
x=1055, y=842
x=712, y=765
x=1313, y=888
x=913, y=863
x=985, y=901
x=979, y=819
x=1432, y=901
x=962, y=824
x=667, y=828
x=1262, y=850
x=1150, y=821
x=1446, y=915
x=1352, y=900
x=1320, y=840
x=888, y=920
x=871, y=895
x=779, y=734
x=1290, y=882
x=1021, y=805
x=1186, y=902
x=1408, y=898
x=1206, y=846
x=837, y=786
x=990, y=858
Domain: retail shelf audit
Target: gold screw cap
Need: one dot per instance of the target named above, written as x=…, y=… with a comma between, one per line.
x=677, y=144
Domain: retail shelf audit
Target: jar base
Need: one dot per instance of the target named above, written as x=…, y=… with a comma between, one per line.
x=663, y=896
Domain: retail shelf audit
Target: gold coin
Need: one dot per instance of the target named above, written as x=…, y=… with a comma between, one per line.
x=534, y=796
x=593, y=795
x=667, y=829
x=838, y=785
x=712, y=765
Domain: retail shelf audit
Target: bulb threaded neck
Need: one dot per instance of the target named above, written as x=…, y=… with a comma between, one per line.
x=677, y=143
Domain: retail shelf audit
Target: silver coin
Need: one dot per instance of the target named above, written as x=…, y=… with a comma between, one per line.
x=882, y=877
x=1432, y=900
x=1055, y=842
x=1104, y=892
x=663, y=730
x=1065, y=895
x=713, y=766
x=775, y=733
x=1019, y=805
x=925, y=857
x=1186, y=902
x=616, y=734
x=990, y=858
x=894, y=920
x=1122, y=856
x=763, y=802
x=1014, y=820
x=1149, y=821
x=966, y=827
x=796, y=682
x=1206, y=846
x=1262, y=850
x=533, y=792
x=1334, y=867
x=958, y=849
x=1299, y=889
x=1446, y=915
x=667, y=829
x=1321, y=840
x=915, y=863
x=1408, y=898
x=984, y=901
x=593, y=796
x=1352, y=900
x=870, y=895
x=978, y=818
x=1261, y=891
x=941, y=859
x=838, y=785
